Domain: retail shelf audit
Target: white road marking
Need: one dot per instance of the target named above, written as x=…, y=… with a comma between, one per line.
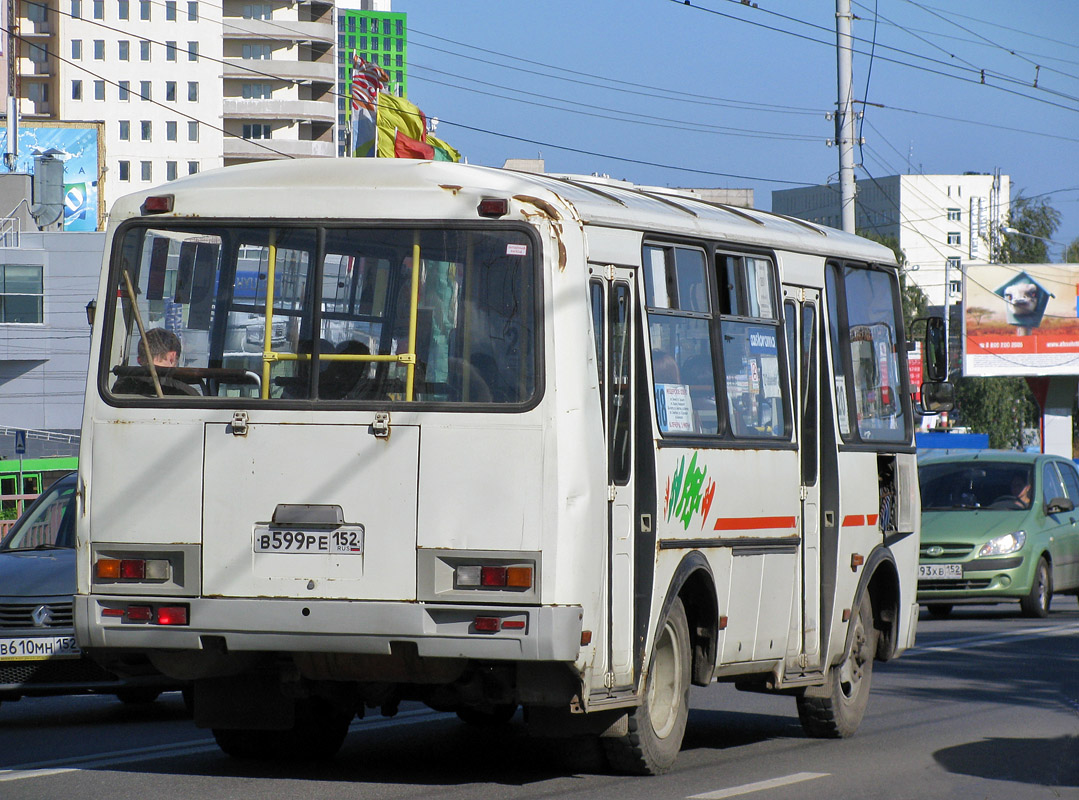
x=760, y=786
x=989, y=640
x=42, y=769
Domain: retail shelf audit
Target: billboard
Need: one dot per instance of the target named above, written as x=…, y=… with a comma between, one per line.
x=1021, y=319
x=80, y=146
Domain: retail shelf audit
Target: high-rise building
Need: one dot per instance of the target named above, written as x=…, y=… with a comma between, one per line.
x=380, y=36
x=182, y=85
x=943, y=223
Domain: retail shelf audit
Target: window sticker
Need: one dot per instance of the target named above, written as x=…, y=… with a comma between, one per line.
x=841, y=405
x=674, y=408
x=517, y=249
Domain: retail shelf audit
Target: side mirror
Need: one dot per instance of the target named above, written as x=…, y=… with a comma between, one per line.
x=935, y=349
x=91, y=312
x=937, y=396
x=1058, y=505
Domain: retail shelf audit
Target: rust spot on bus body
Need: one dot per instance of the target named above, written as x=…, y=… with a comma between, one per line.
x=550, y=213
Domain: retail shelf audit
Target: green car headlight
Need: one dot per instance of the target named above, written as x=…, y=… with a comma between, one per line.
x=1002, y=545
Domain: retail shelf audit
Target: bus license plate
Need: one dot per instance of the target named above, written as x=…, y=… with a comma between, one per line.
x=346, y=540
x=939, y=572
x=38, y=648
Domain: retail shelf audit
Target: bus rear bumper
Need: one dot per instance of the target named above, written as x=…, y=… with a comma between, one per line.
x=501, y=633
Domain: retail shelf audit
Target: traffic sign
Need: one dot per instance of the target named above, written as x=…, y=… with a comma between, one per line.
x=20, y=443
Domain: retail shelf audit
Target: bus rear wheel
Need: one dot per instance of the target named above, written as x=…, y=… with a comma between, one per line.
x=316, y=735
x=835, y=710
x=656, y=726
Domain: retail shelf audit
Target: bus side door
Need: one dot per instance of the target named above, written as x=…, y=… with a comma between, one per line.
x=613, y=318
x=802, y=321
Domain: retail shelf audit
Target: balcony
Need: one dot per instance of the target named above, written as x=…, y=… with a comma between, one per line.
x=255, y=150
x=284, y=31
x=252, y=68
x=299, y=110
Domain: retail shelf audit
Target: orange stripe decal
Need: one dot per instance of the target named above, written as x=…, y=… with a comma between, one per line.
x=871, y=519
x=754, y=523
x=854, y=520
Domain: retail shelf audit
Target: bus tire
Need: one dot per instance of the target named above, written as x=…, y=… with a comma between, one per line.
x=1036, y=604
x=656, y=726
x=316, y=735
x=835, y=710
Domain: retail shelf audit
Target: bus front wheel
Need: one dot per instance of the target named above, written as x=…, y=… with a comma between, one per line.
x=656, y=726
x=835, y=710
x=317, y=734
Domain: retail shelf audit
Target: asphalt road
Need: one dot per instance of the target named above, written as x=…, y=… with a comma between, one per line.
x=987, y=706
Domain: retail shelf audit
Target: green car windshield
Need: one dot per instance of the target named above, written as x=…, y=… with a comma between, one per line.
x=1000, y=486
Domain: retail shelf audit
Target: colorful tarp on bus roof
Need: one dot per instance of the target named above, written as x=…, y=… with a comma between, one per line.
x=78, y=145
x=1021, y=319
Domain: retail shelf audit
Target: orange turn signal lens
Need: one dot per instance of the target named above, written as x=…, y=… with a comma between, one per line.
x=108, y=568
x=519, y=577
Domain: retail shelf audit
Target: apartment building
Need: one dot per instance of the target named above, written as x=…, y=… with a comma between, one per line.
x=944, y=223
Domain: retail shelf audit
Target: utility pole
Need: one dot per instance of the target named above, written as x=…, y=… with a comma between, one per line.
x=11, y=146
x=845, y=116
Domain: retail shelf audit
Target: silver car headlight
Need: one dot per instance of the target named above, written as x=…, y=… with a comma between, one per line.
x=1002, y=545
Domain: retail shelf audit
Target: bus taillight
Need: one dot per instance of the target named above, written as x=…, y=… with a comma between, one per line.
x=493, y=577
x=131, y=569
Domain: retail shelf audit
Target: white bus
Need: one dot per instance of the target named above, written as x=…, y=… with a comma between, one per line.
x=489, y=440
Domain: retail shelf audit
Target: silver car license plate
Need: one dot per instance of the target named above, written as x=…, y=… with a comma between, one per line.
x=38, y=648
x=344, y=540
x=940, y=572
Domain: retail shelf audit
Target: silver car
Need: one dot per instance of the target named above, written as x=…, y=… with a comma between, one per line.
x=38, y=652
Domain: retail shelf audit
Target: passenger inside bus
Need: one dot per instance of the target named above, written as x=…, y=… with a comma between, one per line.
x=162, y=347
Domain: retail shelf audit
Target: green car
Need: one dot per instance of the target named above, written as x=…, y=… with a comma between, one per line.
x=998, y=527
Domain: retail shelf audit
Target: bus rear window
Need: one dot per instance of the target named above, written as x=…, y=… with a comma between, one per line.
x=332, y=314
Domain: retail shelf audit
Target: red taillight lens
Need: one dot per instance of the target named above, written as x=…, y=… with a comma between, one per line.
x=493, y=207
x=493, y=576
x=487, y=624
x=159, y=204
x=133, y=568
x=139, y=613
x=172, y=615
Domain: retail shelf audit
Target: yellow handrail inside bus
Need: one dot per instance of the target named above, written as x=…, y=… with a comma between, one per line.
x=267, y=353
x=414, y=300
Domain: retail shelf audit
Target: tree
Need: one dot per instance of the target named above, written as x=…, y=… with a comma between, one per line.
x=1035, y=217
x=1071, y=252
x=1001, y=407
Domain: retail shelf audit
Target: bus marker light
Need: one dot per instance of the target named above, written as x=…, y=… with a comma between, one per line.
x=160, y=204
x=513, y=624
x=586, y=638
x=112, y=612
x=493, y=576
x=139, y=613
x=157, y=569
x=493, y=207
x=487, y=624
x=172, y=615
x=133, y=568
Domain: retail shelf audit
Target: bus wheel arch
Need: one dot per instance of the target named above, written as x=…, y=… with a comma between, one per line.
x=695, y=586
x=883, y=590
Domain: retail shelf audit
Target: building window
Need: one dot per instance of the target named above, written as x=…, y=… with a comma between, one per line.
x=955, y=215
x=123, y=10
x=76, y=9
x=144, y=89
x=21, y=293
x=351, y=24
x=386, y=60
x=170, y=91
x=192, y=167
x=192, y=131
x=38, y=54
x=125, y=130
x=144, y=9
x=170, y=131
x=954, y=237
x=99, y=49
x=192, y=11
x=37, y=93
x=99, y=90
x=398, y=45
x=386, y=27
x=192, y=51
x=256, y=91
x=257, y=11
x=399, y=62
x=170, y=10
x=955, y=287
x=170, y=170
x=125, y=170
x=124, y=90
x=99, y=9
x=147, y=130
x=256, y=51
x=144, y=50
x=400, y=28
x=76, y=90
x=124, y=49
x=170, y=51
x=363, y=42
x=193, y=91
x=76, y=49
x=147, y=171
x=258, y=131
x=954, y=262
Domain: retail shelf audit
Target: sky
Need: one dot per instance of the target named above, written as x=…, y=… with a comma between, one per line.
x=720, y=93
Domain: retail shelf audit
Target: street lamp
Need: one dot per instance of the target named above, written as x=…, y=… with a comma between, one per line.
x=1016, y=232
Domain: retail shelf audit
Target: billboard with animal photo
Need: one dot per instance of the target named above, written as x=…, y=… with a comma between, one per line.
x=1021, y=319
